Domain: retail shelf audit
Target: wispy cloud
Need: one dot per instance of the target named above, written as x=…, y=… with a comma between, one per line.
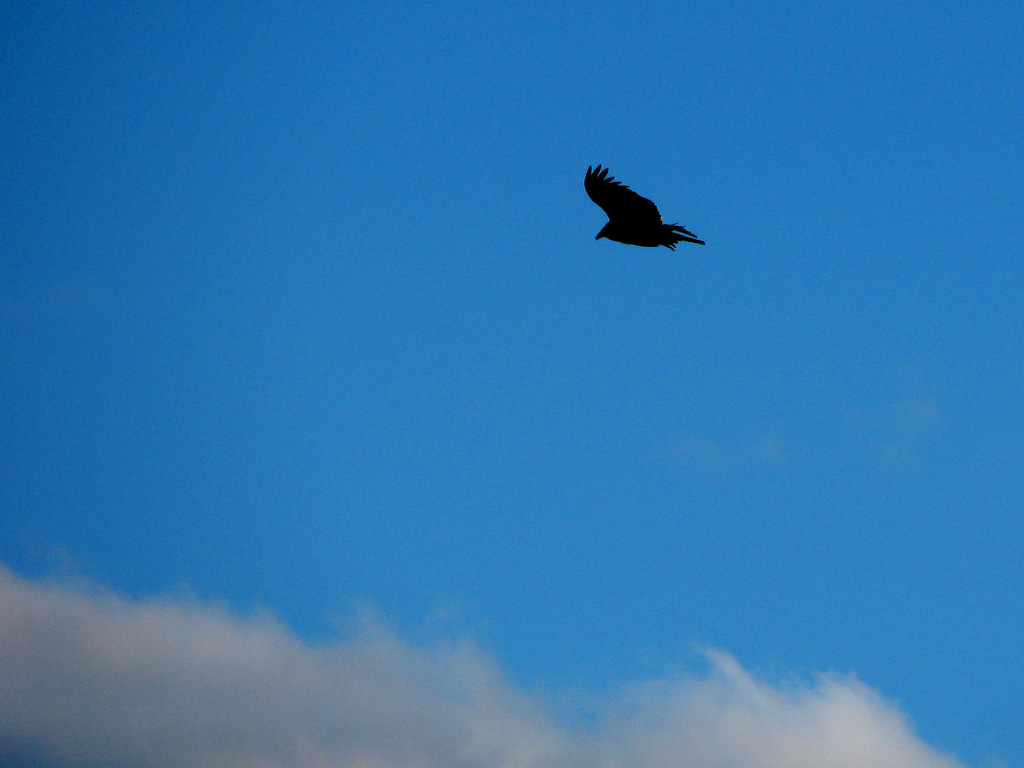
x=899, y=430
x=90, y=678
x=752, y=451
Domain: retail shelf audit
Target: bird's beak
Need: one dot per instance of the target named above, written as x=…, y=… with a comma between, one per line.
x=598, y=236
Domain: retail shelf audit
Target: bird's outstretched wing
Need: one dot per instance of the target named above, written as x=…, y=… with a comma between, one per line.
x=620, y=202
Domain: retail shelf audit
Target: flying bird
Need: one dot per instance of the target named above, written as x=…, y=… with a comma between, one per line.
x=632, y=219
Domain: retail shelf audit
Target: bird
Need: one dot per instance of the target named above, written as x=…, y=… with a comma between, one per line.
x=632, y=219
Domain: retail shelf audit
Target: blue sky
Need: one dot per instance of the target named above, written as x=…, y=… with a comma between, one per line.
x=303, y=316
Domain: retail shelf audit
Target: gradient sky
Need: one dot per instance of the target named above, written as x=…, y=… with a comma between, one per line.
x=302, y=314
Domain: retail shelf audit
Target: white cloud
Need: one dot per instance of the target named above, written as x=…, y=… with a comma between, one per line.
x=731, y=719
x=90, y=679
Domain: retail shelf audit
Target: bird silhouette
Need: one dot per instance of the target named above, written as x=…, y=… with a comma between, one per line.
x=632, y=219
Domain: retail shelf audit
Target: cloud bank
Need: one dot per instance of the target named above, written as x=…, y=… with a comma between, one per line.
x=88, y=678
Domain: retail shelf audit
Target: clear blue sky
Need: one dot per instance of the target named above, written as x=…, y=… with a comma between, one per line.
x=301, y=310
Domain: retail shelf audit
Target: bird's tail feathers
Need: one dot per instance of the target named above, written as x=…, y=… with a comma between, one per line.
x=682, y=233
